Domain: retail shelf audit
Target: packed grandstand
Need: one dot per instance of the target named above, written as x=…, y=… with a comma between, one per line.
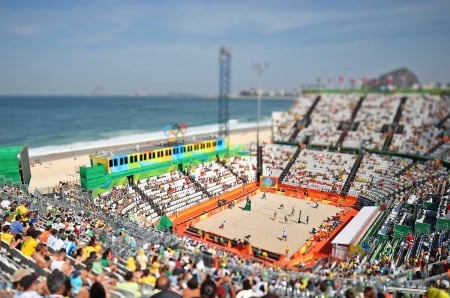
x=387, y=152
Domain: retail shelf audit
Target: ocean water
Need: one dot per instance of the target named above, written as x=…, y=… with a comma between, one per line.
x=52, y=124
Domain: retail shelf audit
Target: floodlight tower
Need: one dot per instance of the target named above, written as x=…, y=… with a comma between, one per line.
x=224, y=90
x=260, y=69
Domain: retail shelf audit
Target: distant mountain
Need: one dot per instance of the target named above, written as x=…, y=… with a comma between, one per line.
x=401, y=78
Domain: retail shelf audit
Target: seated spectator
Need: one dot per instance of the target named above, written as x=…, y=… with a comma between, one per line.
x=78, y=278
x=147, y=278
x=192, y=290
x=164, y=288
x=17, y=225
x=130, y=264
x=130, y=284
x=52, y=238
x=97, y=290
x=23, y=211
x=44, y=236
x=208, y=289
x=7, y=236
x=17, y=277
x=71, y=245
x=92, y=259
x=29, y=285
x=10, y=214
x=247, y=290
x=81, y=280
x=60, y=262
x=17, y=242
x=88, y=249
x=58, y=284
x=106, y=260
x=440, y=289
x=40, y=256
x=30, y=243
x=142, y=259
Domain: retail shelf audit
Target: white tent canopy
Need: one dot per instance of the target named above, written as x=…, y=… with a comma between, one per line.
x=353, y=228
x=353, y=231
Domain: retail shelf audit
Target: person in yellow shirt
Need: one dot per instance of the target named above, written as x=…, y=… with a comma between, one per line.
x=439, y=290
x=92, y=246
x=147, y=278
x=30, y=243
x=87, y=251
x=130, y=264
x=7, y=236
x=23, y=211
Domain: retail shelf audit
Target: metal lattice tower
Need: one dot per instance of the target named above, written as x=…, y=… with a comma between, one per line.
x=224, y=90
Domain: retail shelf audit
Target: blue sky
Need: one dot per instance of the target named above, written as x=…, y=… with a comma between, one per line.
x=156, y=47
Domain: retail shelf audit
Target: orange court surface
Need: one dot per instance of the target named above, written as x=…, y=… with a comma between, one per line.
x=266, y=231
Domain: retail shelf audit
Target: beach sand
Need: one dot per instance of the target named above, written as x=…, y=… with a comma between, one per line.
x=52, y=169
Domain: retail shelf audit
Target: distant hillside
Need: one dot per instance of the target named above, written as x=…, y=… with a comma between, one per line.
x=401, y=78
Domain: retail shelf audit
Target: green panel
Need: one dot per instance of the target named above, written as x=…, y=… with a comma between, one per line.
x=92, y=172
x=382, y=237
x=442, y=224
x=9, y=165
x=164, y=223
x=422, y=228
x=83, y=172
x=431, y=206
x=10, y=152
x=401, y=231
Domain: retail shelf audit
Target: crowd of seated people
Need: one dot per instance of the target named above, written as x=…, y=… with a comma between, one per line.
x=215, y=178
x=275, y=158
x=320, y=170
x=420, y=134
x=377, y=176
x=331, y=110
x=442, y=153
x=244, y=167
x=375, y=111
x=417, y=133
x=284, y=123
x=138, y=274
x=420, y=184
x=91, y=252
x=172, y=192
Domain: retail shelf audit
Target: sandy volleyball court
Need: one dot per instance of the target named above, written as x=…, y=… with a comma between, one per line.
x=265, y=231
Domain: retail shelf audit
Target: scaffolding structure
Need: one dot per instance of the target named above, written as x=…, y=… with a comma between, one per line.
x=224, y=90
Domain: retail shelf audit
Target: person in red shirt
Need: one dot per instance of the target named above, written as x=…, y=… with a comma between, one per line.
x=44, y=236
